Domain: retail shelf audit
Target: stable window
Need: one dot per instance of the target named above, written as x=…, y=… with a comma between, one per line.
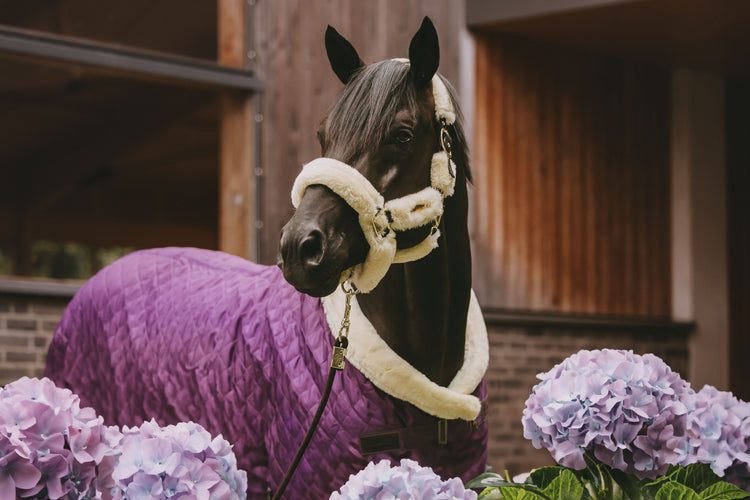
x=117, y=122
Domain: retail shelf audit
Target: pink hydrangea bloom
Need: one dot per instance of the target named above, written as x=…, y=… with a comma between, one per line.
x=404, y=481
x=600, y=402
x=719, y=426
x=176, y=461
x=634, y=414
x=49, y=445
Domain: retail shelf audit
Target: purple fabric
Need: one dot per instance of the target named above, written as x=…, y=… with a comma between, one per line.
x=183, y=334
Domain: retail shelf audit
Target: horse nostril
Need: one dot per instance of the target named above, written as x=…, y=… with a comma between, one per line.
x=311, y=248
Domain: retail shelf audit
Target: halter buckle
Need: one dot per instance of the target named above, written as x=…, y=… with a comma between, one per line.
x=387, y=229
x=436, y=224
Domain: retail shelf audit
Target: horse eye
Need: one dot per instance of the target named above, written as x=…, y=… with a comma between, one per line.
x=404, y=136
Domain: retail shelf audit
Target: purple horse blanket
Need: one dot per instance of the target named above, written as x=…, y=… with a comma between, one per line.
x=183, y=334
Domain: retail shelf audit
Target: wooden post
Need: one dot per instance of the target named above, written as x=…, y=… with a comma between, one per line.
x=237, y=191
x=700, y=280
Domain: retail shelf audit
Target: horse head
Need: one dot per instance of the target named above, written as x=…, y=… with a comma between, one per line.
x=384, y=126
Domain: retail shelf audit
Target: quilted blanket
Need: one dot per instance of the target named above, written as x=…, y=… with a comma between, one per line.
x=183, y=334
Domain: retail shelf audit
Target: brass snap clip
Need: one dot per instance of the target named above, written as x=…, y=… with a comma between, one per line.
x=342, y=342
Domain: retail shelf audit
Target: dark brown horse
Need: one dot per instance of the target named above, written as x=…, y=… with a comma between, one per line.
x=384, y=126
x=181, y=334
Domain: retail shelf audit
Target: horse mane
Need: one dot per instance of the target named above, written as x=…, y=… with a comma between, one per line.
x=362, y=116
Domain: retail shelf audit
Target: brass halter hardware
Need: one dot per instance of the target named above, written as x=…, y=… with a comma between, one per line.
x=342, y=341
x=447, y=144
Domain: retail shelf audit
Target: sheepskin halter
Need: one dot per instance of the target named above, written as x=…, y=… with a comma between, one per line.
x=381, y=220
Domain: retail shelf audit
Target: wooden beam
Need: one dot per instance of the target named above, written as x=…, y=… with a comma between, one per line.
x=232, y=26
x=238, y=193
x=487, y=12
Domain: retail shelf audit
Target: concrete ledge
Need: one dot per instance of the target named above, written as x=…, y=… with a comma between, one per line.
x=64, y=289
x=552, y=320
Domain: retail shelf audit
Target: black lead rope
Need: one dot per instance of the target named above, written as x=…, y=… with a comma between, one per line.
x=309, y=435
x=337, y=364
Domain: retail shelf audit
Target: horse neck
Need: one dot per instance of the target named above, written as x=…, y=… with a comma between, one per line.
x=420, y=308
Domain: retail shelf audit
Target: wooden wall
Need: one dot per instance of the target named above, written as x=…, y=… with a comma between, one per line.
x=288, y=54
x=571, y=198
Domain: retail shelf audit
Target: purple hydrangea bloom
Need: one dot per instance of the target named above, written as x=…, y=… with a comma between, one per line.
x=719, y=426
x=612, y=403
x=49, y=445
x=176, y=461
x=405, y=481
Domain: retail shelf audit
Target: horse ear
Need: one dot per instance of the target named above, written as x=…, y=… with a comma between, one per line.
x=343, y=57
x=424, y=53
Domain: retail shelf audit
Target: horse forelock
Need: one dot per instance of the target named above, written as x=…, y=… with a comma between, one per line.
x=361, y=118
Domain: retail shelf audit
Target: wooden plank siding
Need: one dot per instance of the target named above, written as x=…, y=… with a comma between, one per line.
x=290, y=58
x=571, y=198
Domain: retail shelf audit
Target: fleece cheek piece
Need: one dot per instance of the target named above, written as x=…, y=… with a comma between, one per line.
x=380, y=220
x=442, y=173
x=443, y=105
x=415, y=210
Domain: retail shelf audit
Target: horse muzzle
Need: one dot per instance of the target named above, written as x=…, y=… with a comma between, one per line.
x=319, y=242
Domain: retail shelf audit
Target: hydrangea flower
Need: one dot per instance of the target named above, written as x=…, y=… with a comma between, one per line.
x=176, y=461
x=620, y=406
x=406, y=481
x=719, y=426
x=50, y=447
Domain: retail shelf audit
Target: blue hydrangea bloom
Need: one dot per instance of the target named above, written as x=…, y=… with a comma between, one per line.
x=176, y=461
x=605, y=402
x=719, y=425
x=50, y=446
x=381, y=481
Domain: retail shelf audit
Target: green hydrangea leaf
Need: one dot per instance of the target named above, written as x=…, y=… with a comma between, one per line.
x=566, y=486
x=513, y=493
x=723, y=491
x=544, y=476
x=676, y=491
x=698, y=477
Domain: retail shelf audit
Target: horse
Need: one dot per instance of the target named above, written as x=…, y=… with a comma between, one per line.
x=377, y=251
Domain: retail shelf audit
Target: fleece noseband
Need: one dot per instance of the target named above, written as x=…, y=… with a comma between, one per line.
x=381, y=220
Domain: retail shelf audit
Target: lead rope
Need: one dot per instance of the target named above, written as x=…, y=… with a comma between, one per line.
x=338, y=357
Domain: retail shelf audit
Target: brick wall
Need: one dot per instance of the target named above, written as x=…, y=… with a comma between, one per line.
x=26, y=327
x=519, y=352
